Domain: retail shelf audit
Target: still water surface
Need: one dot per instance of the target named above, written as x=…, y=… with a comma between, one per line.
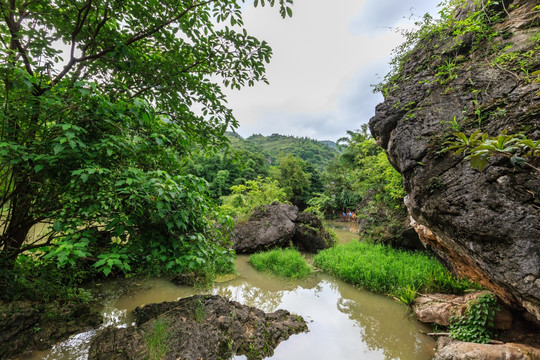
x=344, y=322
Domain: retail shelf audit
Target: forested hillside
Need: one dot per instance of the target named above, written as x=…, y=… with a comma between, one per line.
x=317, y=153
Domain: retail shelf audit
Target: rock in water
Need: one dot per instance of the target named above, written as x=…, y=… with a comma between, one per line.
x=482, y=224
x=198, y=327
x=310, y=234
x=26, y=325
x=278, y=225
x=450, y=349
x=269, y=226
x=440, y=308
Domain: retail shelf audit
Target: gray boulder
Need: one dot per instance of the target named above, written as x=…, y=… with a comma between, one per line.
x=198, y=327
x=279, y=225
x=310, y=235
x=269, y=226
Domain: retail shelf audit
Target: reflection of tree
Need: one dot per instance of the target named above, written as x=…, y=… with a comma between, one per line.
x=383, y=323
x=248, y=294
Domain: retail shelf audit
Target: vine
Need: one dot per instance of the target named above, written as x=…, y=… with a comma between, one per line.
x=475, y=324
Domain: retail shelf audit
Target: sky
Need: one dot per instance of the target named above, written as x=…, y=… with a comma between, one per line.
x=324, y=60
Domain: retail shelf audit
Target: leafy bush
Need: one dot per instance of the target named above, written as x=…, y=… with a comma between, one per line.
x=475, y=324
x=250, y=195
x=287, y=263
x=37, y=279
x=382, y=269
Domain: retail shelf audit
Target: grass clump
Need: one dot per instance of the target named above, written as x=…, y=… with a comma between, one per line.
x=382, y=269
x=286, y=263
x=157, y=340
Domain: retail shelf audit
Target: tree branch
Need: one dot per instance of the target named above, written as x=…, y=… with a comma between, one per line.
x=81, y=18
x=185, y=70
x=134, y=38
x=14, y=31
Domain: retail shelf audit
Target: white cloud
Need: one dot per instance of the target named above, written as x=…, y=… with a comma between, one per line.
x=325, y=58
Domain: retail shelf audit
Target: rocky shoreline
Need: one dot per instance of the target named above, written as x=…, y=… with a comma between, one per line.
x=198, y=327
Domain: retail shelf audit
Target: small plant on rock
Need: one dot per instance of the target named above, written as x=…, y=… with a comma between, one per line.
x=475, y=324
x=157, y=340
x=480, y=147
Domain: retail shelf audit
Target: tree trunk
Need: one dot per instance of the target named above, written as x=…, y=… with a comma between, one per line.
x=18, y=222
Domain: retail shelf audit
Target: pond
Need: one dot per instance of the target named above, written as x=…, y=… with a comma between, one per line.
x=344, y=322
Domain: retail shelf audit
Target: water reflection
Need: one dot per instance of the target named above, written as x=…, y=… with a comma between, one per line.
x=345, y=230
x=344, y=322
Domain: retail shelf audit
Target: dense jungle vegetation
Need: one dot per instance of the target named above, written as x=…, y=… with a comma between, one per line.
x=97, y=122
x=114, y=151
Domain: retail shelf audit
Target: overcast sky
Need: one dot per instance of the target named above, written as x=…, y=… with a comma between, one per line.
x=325, y=58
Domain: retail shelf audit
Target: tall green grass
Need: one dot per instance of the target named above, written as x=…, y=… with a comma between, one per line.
x=382, y=269
x=287, y=263
x=157, y=340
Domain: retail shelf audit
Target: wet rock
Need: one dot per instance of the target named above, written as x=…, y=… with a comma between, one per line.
x=28, y=326
x=310, y=234
x=450, y=349
x=198, y=327
x=439, y=308
x=482, y=224
x=279, y=225
x=269, y=226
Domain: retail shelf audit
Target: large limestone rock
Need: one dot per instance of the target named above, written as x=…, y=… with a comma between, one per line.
x=450, y=349
x=278, y=225
x=484, y=225
x=198, y=327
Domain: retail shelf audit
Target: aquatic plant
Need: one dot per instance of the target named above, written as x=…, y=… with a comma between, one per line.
x=286, y=263
x=383, y=269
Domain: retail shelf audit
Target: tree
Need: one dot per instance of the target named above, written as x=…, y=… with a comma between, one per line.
x=91, y=137
x=363, y=180
x=294, y=179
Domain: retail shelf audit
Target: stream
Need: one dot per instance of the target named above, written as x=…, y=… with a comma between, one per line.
x=344, y=322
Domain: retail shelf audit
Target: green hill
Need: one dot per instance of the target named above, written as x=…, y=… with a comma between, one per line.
x=315, y=152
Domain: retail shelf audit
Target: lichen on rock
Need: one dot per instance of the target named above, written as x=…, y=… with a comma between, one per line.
x=279, y=225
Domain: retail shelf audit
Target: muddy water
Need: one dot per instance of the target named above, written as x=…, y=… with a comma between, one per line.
x=344, y=322
x=346, y=231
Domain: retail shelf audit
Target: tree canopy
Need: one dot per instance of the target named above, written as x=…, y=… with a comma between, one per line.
x=101, y=100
